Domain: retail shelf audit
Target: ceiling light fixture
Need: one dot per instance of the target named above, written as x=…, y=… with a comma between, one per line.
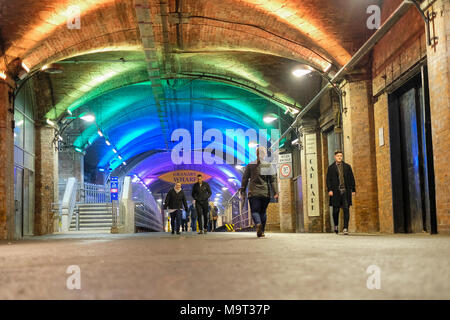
x=88, y=117
x=301, y=72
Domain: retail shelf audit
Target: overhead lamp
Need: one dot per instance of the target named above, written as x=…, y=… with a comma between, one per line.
x=224, y=188
x=238, y=167
x=107, y=142
x=270, y=118
x=300, y=72
x=78, y=150
x=52, y=68
x=253, y=144
x=100, y=133
x=88, y=117
x=25, y=67
x=114, y=150
x=69, y=112
x=120, y=157
x=3, y=75
x=295, y=142
x=101, y=170
x=124, y=163
x=231, y=179
x=60, y=138
x=50, y=122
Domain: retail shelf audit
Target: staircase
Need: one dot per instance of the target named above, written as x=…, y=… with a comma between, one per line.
x=92, y=217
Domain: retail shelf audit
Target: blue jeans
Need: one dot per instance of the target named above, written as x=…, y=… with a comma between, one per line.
x=258, y=206
x=194, y=224
x=175, y=220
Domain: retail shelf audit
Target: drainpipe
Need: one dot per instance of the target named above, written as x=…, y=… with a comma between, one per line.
x=365, y=49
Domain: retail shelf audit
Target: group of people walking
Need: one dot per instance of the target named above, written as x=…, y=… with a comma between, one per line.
x=201, y=210
x=262, y=187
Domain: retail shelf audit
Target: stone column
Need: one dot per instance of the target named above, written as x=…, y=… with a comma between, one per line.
x=311, y=172
x=6, y=162
x=46, y=180
x=438, y=57
x=359, y=152
x=286, y=205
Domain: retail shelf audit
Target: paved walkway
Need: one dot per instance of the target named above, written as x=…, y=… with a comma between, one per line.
x=226, y=266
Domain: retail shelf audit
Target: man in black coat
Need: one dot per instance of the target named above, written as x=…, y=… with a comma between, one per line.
x=201, y=191
x=175, y=200
x=341, y=187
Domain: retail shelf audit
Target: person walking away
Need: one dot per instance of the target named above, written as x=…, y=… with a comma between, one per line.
x=201, y=192
x=184, y=220
x=193, y=215
x=175, y=200
x=341, y=187
x=213, y=214
x=261, y=183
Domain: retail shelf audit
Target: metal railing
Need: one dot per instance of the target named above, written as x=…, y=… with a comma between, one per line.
x=240, y=213
x=94, y=193
x=146, y=218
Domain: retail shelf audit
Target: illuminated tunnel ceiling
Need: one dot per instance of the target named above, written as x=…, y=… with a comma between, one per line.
x=128, y=119
x=120, y=59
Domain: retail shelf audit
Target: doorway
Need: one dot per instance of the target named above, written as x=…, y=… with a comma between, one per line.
x=412, y=169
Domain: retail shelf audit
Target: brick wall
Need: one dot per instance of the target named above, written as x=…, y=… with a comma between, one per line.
x=286, y=205
x=6, y=165
x=46, y=180
x=359, y=152
x=383, y=158
x=438, y=75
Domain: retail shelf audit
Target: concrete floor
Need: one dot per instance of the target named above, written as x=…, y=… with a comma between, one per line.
x=226, y=266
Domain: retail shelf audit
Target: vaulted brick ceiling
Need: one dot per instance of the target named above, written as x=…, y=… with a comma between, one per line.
x=255, y=41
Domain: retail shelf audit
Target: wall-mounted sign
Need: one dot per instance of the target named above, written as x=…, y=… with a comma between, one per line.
x=312, y=176
x=114, y=188
x=183, y=176
x=285, y=158
x=285, y=171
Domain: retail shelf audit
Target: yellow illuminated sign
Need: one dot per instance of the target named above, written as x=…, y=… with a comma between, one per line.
x=183, y=176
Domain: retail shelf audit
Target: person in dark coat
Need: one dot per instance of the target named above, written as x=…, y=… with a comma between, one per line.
x=193, y=215
x=341, y=187
x=201, y=191
x=175, y=200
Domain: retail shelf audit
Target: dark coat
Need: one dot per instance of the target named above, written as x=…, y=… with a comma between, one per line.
x=192, y=212
x=333, y=183
x=175, y=200
x=201, y=193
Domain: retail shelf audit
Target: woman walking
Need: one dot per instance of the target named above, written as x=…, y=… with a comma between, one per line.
x=175, y=200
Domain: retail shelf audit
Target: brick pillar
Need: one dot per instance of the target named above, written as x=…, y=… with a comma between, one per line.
x=6, y=163
x=286, y=205
x=46, y=180
x=311, y=172
x=71, y=164
x=438, y=57
x=359, y=152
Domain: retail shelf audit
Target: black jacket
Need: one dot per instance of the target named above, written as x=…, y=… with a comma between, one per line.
x=333, y=183
x=175, y=200
x=201, y=193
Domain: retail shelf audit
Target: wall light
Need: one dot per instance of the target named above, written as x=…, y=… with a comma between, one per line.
x=301, y=72
x=270, y=118
x=88, y=117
